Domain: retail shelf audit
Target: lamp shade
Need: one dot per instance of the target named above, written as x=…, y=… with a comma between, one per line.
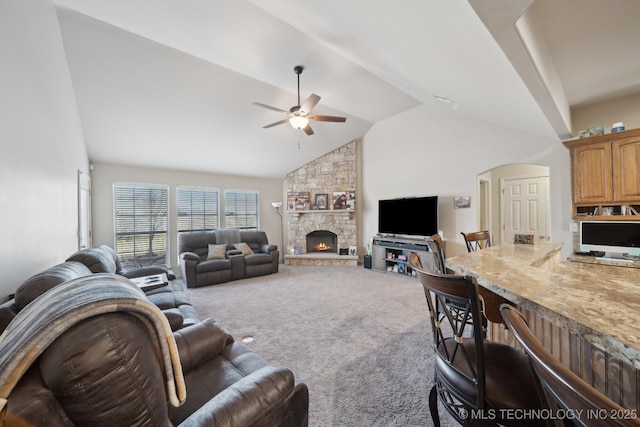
x=276, y=204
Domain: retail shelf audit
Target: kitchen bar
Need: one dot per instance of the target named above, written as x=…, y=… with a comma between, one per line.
x=586, y=313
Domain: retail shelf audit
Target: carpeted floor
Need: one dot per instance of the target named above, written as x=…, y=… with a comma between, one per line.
x=359, y=339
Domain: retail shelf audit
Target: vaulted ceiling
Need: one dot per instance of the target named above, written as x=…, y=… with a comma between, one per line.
x=171, y=84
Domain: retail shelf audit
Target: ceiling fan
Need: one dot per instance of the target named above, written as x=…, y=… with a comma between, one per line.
x=299, y=116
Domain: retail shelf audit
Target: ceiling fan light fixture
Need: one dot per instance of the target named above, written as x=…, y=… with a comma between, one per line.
x=299, y=115
x=299, y=122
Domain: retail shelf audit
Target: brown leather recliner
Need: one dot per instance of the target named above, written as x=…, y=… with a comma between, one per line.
x=105, y=370
x=171, y=299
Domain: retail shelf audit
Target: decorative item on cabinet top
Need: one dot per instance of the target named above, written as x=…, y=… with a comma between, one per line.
x=598, y=130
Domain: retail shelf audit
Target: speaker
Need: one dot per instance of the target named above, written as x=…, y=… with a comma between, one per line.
x=367, y=261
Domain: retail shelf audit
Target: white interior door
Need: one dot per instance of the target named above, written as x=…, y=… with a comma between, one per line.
x=84, y=210
x=524, y=207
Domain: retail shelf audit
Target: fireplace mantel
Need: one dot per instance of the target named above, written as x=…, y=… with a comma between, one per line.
x=325, y=211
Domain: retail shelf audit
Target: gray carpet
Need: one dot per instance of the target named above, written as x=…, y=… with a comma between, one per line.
x=359, y=339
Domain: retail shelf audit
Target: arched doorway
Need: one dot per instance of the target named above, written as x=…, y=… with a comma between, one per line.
x=514, y=197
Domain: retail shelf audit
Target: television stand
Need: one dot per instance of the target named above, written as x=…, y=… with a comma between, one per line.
x=391, y=254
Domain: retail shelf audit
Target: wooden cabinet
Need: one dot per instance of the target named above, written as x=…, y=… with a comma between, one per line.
x=626, y=166
x=605, y=171
x=592, y=173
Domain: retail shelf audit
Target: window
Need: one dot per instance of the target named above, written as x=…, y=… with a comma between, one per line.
x=241, y=209
x=197, y=209
x=141, y=224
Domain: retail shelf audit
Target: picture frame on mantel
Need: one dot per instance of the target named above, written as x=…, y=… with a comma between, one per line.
x=344, y=200
x=322, y=201
x=298, y=200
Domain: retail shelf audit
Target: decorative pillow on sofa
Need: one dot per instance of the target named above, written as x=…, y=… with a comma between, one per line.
x=217, y=251
x=246, y=250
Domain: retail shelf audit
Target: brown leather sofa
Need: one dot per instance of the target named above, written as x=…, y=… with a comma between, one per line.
x=105, y=370
x=200, y=269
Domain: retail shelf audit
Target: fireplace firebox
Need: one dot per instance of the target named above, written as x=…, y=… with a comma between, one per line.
x=322, y=241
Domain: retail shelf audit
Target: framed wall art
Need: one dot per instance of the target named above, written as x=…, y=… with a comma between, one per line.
x=322, y=201
x=344, y=200
x=462, y=202
x=298, y=200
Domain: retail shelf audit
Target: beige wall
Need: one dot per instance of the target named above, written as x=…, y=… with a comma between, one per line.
x=626, y=110
x=41, y=144
x=104, y=176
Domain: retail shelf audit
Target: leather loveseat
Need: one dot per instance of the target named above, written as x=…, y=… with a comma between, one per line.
x=104, y=368
x=211, y=257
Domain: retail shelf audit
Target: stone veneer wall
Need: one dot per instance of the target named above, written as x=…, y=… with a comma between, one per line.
x=335, y=171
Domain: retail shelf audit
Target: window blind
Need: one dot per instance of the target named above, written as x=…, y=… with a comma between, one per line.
x=197, y=209
x=241, y=209
x=141, y=224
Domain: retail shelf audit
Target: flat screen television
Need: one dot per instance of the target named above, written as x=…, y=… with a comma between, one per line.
x=612, y=237
x=411, y=216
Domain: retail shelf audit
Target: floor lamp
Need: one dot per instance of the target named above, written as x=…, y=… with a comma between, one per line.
x=278, y=205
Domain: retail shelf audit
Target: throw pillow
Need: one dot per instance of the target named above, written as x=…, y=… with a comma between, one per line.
x=246, y=250
x=217, y=252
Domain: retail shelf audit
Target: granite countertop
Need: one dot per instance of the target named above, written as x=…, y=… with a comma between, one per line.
x=597, y=302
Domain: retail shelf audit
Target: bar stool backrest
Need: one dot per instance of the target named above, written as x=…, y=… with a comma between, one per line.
x=559, y=387
x=455, y=313
x=435, y=246
x=477, y=240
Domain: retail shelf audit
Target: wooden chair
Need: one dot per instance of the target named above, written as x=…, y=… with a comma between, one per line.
x=477, y=240
x=559, y=388
x=474, y=378
x=435, y=245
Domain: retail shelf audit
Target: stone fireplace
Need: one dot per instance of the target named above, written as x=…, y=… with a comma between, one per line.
x=318, y=234
x=340, y=225
x=323, y=241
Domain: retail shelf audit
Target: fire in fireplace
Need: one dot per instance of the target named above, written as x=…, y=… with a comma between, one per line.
x=322, y=241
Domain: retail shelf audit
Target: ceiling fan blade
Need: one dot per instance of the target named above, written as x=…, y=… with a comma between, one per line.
x=327, y=118
x=308, y=105
x=307, y=129
x=270, y=107
x=275, y=124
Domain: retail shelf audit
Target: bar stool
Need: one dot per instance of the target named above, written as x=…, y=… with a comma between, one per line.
x=474, y=378
x=477, y=240
x=559, y=387
x=435, y=245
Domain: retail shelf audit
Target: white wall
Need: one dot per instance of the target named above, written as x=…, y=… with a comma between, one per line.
x=429, y=151
x=41, y=144
x=104, y=176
